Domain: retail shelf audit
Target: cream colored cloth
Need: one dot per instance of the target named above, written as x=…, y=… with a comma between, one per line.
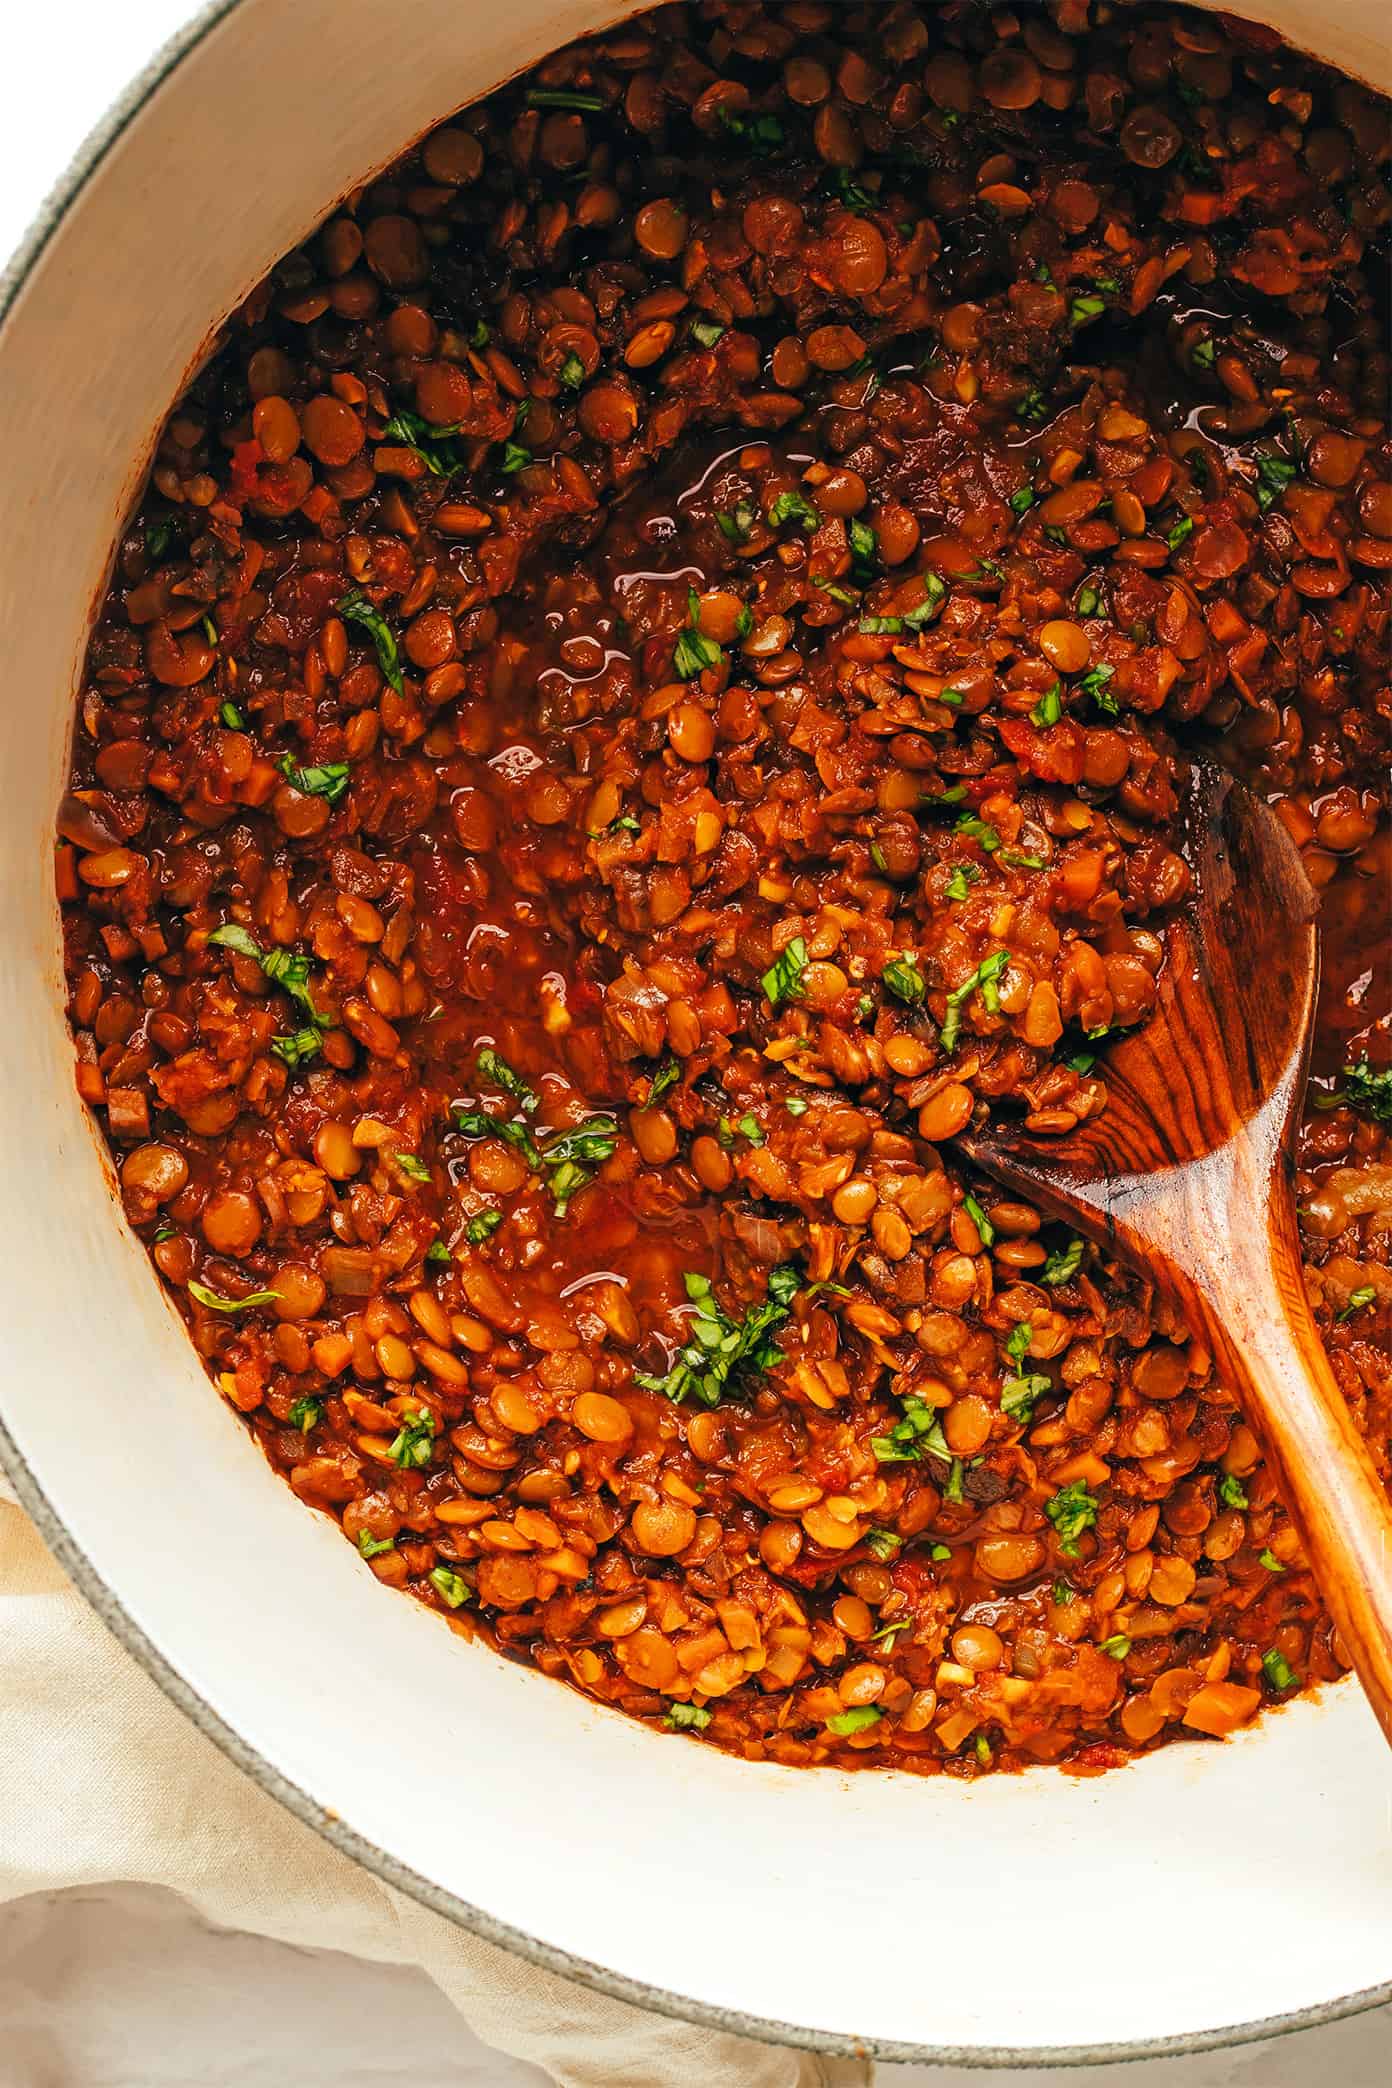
x=102, y=1781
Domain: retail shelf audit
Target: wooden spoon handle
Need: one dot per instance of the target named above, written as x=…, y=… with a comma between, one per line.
x=1265, y=1339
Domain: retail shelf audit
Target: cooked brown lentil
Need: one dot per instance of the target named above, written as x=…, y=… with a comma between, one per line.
x=640, y=698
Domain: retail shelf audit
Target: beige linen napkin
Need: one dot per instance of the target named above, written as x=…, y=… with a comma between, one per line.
x=102, y=1781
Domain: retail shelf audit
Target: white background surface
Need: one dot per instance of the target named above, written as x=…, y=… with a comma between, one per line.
x=125, y=1990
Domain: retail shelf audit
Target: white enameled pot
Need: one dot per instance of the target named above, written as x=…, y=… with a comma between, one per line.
x=1199, y=1896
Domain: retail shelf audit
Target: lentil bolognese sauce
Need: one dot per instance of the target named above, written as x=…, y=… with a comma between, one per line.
x=642, y=696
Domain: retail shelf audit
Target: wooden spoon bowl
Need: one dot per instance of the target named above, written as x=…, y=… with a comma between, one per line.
x=1187, y=1175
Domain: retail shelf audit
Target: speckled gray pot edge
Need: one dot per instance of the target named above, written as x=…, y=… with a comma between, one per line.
x=108, y=1606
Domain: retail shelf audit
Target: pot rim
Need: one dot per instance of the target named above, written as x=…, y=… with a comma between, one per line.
x=67, y=192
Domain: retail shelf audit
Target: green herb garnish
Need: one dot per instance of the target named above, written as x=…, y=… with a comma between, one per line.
x=856, y=1720
x=783, y=979
x=1278, y=1670
x=564, y=98
x=355, y=608
x=687, y=1718
x=983, y=979
x=1049, y=708
x=373, y=1547
x=1071, y=1511
x=904, y=979
x=327, y=779
x=452, y=1587
x=721, y=1350
x=215, y=1302
x=794, y=507
x=1063, y=1264
x=1365, y=1295
x=495, y=1071
x=694, y=652
x=305, y=1414
x=1231, y=1492
x=414, y=1445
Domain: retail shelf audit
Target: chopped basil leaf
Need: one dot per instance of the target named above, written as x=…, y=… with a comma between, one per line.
x=1365, y=1088
x=1274, y=474
x=298, y=1047
x=794, y=507
x=738, y=523
x=326, y=780
x=215, y=1302
x=1071, y=1511
x=983, y=978
x=904, y=979
x=355, y=608
x=978, y=830
x=1278, y=1670
x=849, y=190
x=451, y=1587
x=762, y=134
x=1018, y=1395
x=856, y=1720
x=1049, y=708
x=687, y=1718
x=694, y=652
x=783, y=979
x=666, y=1076
x=495, y=1071
x=934, y=595
x=1062, y=1265
x=414, y=1445
x=563, y=98
x=720, y=1349
x=1017, y=1346
x=434, y=445
x=916, y=1434
x=1094, y=684
x=865, y=545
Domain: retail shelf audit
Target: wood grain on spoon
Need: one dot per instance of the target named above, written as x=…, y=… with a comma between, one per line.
x=1187, y=1174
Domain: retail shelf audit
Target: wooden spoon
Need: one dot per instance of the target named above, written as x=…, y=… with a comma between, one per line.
x=1187, y=1175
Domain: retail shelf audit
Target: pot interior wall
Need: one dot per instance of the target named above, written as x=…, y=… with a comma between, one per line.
x=878, y=1908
